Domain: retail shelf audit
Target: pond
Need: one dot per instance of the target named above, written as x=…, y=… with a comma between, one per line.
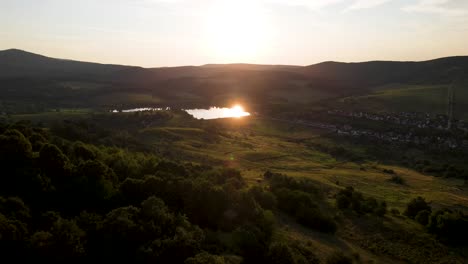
x=214, y=112
x=142, y=109
x=217, y=112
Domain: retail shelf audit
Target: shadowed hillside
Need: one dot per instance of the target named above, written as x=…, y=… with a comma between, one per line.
x=26, y=75
x=21, y=64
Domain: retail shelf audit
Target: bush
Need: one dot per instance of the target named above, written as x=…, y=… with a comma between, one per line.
x=265, y=198
x=339, y=258
x=294, y=252
x=83, y=152
x=205, y=258
x=395, y=212
x=295, y=197
x=300, y=205
x=313, y=218
x=303, y=253
x=450, y=226
x=423, y=217
x=381, y=209
x=415, y=206
x=354, y=200
x=342, y=201
x=280, y=253
x=278, y=181
x=397, y=179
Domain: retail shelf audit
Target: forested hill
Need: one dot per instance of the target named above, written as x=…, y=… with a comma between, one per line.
x=18, y=63
x=442, y=70
x=22, y=64
x=57, y=83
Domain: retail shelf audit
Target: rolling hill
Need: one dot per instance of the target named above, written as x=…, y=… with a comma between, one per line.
x=21, y=64
x=25, y=75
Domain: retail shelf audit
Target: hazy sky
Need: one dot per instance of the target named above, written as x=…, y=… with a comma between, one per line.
x=194, y=32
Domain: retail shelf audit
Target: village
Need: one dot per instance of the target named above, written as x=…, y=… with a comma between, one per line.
x=411, y=128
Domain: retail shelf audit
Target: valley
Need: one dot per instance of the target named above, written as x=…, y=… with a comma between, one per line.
x=329, y=161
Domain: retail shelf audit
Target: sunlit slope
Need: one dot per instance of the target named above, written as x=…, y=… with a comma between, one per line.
x=410, y=98
x=255, y=145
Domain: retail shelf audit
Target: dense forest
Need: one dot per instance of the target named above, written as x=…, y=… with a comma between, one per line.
x=68, y=201
x=64, y=200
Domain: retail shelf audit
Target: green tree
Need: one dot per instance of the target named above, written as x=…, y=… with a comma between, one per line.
x=93, y=182
x=423, y=217
x=339, y=258
x=54, y=163
x=16, y=163
x=205, y=258
x=83, y=152
x=264, y=197
x=280, y=253
x=15, y=208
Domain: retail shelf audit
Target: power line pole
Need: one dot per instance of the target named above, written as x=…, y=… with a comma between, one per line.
x=451, y=96
x=457, y=74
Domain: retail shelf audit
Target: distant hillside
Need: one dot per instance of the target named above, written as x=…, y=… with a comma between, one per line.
x=381, y=72
x=83, y=84
x=17, y=63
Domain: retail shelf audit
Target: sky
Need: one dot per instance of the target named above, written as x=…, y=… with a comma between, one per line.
x=156, y=33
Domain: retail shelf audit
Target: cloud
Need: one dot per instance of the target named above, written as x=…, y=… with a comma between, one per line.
x=318, y=4
x=311, y=4
x=434, y=7
x=363, y=4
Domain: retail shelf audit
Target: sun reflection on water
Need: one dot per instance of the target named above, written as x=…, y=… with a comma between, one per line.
x=236, y=111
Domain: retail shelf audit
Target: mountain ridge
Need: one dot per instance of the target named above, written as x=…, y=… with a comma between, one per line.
x=20, y=52
x=23, y=73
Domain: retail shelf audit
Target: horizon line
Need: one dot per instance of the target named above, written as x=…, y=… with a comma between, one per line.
x=231, y=63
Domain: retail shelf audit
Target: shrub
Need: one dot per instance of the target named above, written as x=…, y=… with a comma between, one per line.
x=300, y=205
x=415, y=206
x=423, y=217
x=395, y=211
x=205, y=258
x=354, y=200
x=265, y=198
x=280, y=253
x=397, y=179
x=339, y=258
x=296, y=197
x=303, y=253
x=381, y=209
x=313, y=218
x=342, y=201
x=83, y=152
x=450, y=226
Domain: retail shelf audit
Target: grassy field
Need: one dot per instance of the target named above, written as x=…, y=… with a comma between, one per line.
x=126, y=99
x=410, y=98
x=260, y=145
x=254, y=146
x=59, y=114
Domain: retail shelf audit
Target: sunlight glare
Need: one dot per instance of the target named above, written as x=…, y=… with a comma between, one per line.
x=237, y=30
x=236, y=111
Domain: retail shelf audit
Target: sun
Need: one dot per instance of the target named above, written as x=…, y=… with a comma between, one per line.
x=237, y=30
x=236, y=111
